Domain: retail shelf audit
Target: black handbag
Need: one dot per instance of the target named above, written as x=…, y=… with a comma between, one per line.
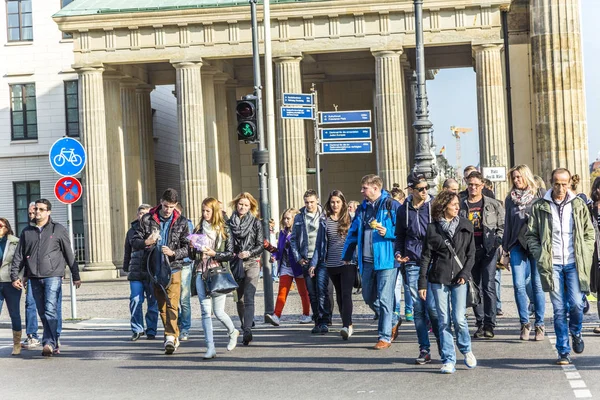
x=219, y=280
x=357, y=278
x=193, y=290
x=237, y=269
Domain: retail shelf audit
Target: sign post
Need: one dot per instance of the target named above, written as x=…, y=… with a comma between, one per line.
x=67, y=158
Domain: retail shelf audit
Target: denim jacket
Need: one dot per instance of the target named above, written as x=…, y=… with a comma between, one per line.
x=299, y=238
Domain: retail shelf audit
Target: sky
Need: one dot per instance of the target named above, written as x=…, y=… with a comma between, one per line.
x=453, y=97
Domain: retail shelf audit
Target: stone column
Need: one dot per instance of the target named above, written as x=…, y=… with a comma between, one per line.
x=131, y=135
x=146, y=132
x=234, y=144
x=491, y=110
x=392, y=164
x=291, y=138
x=96, y=197
x=558, y=87
x=116, y=162
x=190, y=109
x=225, y=136
x=409, y=101
x=210, y=129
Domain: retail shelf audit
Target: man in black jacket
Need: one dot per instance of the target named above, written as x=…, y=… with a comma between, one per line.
x=44, y=250
x=162, y=234
x=134, y=263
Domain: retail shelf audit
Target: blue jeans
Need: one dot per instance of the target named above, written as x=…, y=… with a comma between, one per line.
x=323, y=295
x=215, y=303
x=422, y=308
x=451, y=302
x=46, y=292
x=499, y=289
x=185, y=308
x=13, y=299
x=379, y=285
x=139, y=290
x=524, y=266
x=31, y=321
x=398, y=299
x=566, y=289
x=311, y=288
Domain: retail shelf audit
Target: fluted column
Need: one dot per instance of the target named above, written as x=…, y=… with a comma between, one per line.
x=190, y=109
x=96, y=194
x=392, y=164
x=491, y=110
x=210, y=130
x=291, y=138
x=234, y=144
x=409, y=101
x=225, y=135
x=147, y=174
x=558, y=87
x=116, y=162
x=131, y=135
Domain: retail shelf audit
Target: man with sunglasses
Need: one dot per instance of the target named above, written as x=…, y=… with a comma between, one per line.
x=44, y=250
x=487, y=216
x=411, y=226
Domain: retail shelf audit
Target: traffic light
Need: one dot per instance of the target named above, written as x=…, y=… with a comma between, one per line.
x=246, y=119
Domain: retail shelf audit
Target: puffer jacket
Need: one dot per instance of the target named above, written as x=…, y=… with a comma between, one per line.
x=493, y=222
x=12, y=242
x=134, y=262
x=411, y=228
x=444, y=268
x=178, y=233
x=251, y=241
x=539, y=240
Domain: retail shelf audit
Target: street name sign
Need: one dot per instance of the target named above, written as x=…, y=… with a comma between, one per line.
x=346, y=133
x=345, y=117
x=297, y=99
x=68, y=190
x=67, y=157
x=346, y=147
x=297, y=113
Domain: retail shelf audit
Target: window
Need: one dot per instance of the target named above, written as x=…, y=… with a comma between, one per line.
x=23, y=121
x=72, y=108
x=24, y=193
x=63, y=4
x=19, y=20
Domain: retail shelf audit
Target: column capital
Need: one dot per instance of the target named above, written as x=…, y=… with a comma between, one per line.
x=505, y=7
x=181, y=64
x=221, y=78
x=88, y=68
x=112, y=75
x=144, y=88
x=486, y=47
x=288, y=58
x=386, y=52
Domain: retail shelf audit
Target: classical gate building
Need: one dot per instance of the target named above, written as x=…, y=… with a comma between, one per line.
x=360, y=55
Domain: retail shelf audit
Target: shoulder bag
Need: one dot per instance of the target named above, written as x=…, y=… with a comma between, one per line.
x=218, y=280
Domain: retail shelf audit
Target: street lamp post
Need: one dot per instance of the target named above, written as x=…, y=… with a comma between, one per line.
x=422, y=125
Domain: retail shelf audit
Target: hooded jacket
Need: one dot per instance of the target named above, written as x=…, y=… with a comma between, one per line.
x=411, y=228
x=134, y=262
x=44, y=253
x=540, y=230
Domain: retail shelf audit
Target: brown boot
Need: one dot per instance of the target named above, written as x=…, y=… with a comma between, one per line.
x=16, y=343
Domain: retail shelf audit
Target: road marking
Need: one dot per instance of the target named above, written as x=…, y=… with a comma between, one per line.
x=574, y=378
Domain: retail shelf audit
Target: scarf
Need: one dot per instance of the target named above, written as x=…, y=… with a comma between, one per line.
x=241, y=227
x=214, y=242
x=449, y=226
x=521, y=197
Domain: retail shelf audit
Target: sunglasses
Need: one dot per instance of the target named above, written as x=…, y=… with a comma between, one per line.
x=422, y=189
x=40, y=209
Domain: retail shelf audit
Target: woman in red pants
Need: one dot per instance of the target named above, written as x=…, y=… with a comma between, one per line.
x=289, y=271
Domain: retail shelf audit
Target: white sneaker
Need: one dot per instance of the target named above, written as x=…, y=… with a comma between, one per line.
x=170, y=345
x=470, y=360
x=272, y=319
x=346, y=332
x=211, y=352
x=233, y=340
x=448, y=368
x=306, y=319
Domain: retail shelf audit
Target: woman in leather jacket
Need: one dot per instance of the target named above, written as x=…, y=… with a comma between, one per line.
x=247, y=235
x=595, y=213
x=218, y=253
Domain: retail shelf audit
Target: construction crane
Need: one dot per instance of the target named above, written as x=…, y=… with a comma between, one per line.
x=457, y=132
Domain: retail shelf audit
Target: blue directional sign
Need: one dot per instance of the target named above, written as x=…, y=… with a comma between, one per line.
x=346, y=133
x=297, y=99
x=345, y=117
x=297, y=112
x=67, y=157
x=346, y=147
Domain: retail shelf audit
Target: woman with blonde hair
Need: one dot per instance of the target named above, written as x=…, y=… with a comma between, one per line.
x=289, y=270
x=518, y=204
x=216, y=254
x=247, y=236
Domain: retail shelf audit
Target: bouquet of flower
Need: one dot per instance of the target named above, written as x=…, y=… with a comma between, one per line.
x=199, y=241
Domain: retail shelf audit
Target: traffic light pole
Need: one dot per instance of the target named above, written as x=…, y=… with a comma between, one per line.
x=261, y=157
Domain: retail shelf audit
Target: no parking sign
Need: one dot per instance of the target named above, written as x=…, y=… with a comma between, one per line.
x=68, y=190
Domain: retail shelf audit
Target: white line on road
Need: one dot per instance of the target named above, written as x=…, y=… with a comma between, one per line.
x=573, y=376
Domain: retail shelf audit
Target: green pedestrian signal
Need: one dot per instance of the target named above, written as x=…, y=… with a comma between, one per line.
x=246, y=119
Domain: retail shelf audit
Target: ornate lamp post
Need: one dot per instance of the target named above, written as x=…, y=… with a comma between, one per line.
x=423, y=126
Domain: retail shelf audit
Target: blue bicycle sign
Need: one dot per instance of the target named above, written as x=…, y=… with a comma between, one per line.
x=67, y=157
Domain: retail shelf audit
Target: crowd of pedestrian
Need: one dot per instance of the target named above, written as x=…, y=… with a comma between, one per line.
x=444, y=252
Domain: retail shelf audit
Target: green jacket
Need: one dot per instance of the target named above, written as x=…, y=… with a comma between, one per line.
x=539, y=240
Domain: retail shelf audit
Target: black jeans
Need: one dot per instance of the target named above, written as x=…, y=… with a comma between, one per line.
x=311, y=287
x=246, y=293
x=343, y=281
x=484, y=275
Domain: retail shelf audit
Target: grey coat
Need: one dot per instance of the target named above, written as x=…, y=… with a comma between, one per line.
x=493, y=222
x=12, y=243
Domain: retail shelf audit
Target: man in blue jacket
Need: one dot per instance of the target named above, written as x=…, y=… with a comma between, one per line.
x=411, y=227
x=372, y=232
